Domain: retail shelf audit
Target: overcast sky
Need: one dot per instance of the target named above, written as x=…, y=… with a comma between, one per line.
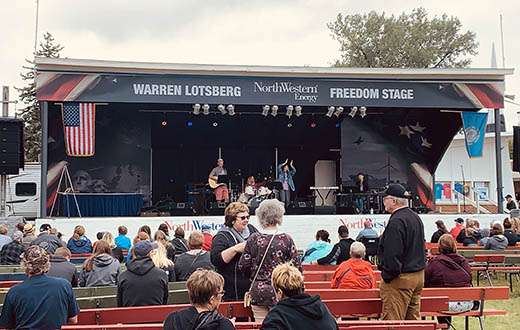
x=267, y=32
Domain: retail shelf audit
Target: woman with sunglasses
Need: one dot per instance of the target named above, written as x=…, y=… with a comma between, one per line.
x=263, y=252
x=227, y=247
x=205, y=289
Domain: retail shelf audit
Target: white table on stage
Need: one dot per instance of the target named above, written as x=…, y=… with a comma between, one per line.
x=329, y=190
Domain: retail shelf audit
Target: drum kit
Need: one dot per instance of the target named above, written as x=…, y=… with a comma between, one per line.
x=253, y=195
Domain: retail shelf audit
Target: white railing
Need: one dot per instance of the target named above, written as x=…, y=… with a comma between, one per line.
x=472, y=200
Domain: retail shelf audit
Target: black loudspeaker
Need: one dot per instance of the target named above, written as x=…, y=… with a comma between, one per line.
x=301, y=206
x=11, y=145
x=182, y=209
x=325, y=209
x=217, y=208
x=346, y=206
x=516, y=148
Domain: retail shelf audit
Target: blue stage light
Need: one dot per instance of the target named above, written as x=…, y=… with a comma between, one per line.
x=337, y=124
x=190, y=123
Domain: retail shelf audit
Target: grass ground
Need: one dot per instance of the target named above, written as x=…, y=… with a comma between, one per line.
x=509, y=322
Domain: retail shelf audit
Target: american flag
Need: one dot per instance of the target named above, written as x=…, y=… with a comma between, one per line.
x=79, y=128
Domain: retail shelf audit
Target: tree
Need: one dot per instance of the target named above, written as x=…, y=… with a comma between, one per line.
x=31, y=113
x=412, y=41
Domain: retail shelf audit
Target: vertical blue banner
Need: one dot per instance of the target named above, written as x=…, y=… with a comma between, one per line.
x=474, y=130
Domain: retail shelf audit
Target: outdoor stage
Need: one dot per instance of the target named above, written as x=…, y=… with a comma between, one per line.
x=302, y=228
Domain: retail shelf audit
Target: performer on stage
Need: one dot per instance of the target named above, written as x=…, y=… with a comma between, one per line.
x=221, y=192
x=285, y=176
x=361, y=187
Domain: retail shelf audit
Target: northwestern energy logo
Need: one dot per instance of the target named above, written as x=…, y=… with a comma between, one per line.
x=300, y=92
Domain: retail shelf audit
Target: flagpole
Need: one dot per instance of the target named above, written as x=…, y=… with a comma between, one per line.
x=498, y=159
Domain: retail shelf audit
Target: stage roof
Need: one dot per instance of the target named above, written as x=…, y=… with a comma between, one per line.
x=80, y=80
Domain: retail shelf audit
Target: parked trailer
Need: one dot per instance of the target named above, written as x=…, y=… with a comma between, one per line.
x=23, y=192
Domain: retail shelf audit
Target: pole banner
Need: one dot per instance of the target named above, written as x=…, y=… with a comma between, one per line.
x=474, y=124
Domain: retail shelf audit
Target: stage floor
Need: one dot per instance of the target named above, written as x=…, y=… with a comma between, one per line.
x=302, y=228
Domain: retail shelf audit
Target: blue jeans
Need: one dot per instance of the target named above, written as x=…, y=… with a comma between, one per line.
x=285, y=197
x=360, y=203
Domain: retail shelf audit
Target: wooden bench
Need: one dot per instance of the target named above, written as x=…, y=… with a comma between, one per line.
x=373, y=324
x=155, y=314
x=454, y=294
x=321, y=276
x=489, y=263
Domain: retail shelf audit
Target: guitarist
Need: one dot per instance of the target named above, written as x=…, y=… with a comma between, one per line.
x=221, y=192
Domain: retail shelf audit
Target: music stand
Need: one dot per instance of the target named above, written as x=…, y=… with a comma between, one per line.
x=271, y=185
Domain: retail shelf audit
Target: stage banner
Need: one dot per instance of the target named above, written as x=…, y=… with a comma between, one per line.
x=474, y=131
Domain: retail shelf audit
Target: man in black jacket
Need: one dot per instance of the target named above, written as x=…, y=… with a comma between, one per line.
x=47, y=241
x=401, y=258
x=142, y=284
x=62, y=267
x=341, y=250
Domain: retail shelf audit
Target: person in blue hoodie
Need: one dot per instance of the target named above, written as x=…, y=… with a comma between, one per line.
x=319, y=248
x=286, y=172
x=79, y=243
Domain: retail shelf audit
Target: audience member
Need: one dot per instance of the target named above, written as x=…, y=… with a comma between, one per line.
x=205, y=289
x=4, y=238
x=28, y=233
x=141, y=236
x=511, y=205
x=401, y=258
x=11, y=252
x=61, y=266
x=178, y=241
x=263, y=252
x=473, y=224
x=55, y=231
x=228, y=245
x=100, y=269
x=122, y=240
x=441, y=230
x=319, y=248
x=459, y=225
x=164, y=228
x=46, y=240
x=509, y=233
x=515, y=227
x=470, y=239
x=355, y=273
x=39, y=302
x=497, y=241
x=117, y=252
x=161, y=261
x=161, y=238
x=367, y=232
x=340, y=251
x=145, y=229
x=208, y=238
x=79, y=243
x=449, y=269
x=194, y=259
x=19, y=226
x=142, y=284
x=296, y=310
x=99, y=236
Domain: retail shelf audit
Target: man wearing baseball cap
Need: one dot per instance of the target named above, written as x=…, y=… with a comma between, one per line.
x=401, y=258
x=459, y=225
x=142, y=284
x=208, y=238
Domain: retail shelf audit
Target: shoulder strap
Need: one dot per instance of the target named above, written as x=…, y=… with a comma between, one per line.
x=465, y=271
x=341, y=277
x=262, y=262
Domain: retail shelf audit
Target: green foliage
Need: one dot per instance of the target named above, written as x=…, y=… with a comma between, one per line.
x=411, y=41
x=31, y=113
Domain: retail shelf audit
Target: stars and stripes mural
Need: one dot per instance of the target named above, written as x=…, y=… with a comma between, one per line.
x=79, y=128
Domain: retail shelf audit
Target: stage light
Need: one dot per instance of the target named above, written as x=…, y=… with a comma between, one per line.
x=274, y=110
x=313, y=124
x=231, y=109
x=289, y=112
x=196, y=109
x=222, y=109
x=352, y=112
x=265, y=110
x=330, y=111
x=215, y=124
x=363, y=112
x=190, y=123
x=298, y=110
x=205, y=109
x=338, y=112
x=164, y=123
x=289, y=125
x=337, y=124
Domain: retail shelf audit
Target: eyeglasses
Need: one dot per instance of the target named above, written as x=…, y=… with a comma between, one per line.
x=243, y=217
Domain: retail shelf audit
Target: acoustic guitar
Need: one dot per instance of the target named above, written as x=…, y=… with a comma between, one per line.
x=213, y=183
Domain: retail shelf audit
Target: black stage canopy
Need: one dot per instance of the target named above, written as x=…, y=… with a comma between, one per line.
x=152, y=135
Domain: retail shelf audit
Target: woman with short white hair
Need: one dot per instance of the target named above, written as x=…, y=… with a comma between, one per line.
x=263, y=252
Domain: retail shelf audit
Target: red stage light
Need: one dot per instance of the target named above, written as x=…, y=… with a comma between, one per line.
x=313, y=125
x=164, y=123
